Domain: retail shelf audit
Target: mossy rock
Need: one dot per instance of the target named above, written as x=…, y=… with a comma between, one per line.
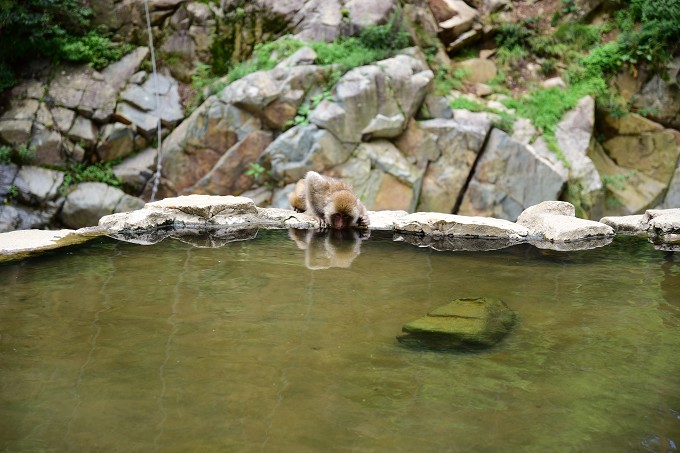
x=463, y=324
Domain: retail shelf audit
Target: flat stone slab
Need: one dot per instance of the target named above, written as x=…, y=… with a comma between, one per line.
x=555, y=221
x=23, y=243
x=438, y=224
x=462, y=324
x=626, y=224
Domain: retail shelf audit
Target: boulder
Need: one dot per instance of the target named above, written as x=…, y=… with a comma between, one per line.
x=475, y=323
x=418, y=145
x=661, y=99
x=195, y=146
x=135, y=171
x=375, y=101
x=275, y=95
x=37, y=185
x=142, y=98
x=16, y=123
x=304, y=148
x=22, y=218
x=7, y=174
x=117, y=140
x=455, y=17
x=48, y=146
x=83, y=131
x=439, y=224
x=654, y=154
x=573, y=134
x=458, y=146
x=627, y=191
x=555, y=221
x=89, y=201
x=662, y=222
x=508, y=178
x=228, y=176
x=627, y=224
x=672, y=199
x=478, y=70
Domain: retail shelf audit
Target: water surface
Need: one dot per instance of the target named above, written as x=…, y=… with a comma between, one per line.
x=114, y=346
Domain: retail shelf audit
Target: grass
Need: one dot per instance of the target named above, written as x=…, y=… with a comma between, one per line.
x=501, y=120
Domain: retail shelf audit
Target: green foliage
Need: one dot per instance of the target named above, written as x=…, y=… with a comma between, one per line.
x=54, y=29
x=500, y=119
x=22, y=155
x=256, y=170
x=99, y=172
x=373, y=43
x=93, y=48
x=306, y=108
x=12, y=194
x=616, y=182
x=445, y=81
x=205, y=83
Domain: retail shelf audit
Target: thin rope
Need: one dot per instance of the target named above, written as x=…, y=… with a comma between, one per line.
x=157, y=175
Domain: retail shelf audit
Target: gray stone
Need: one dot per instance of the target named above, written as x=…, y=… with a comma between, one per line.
x=509, y=177
x=573, y=134
x=7, y=174
x=135, y=171
x=16, y=132
x=439, y=224
x=145, y=123
x=89, y=201
x=48, y=146
x=63, y=118
x=672, y=199
x=662, y=222
x=628, y=224
x=38, y=185
x=117, y=141
x=555, y=221
x=83, y=131
x=193, y=148
x=462, y=324
x=375, y=100
x=304, y=148
x=18, y=244
x=628, y=191
x=458, y=145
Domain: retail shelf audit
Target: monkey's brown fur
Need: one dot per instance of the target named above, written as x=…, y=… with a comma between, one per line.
x=329, y=199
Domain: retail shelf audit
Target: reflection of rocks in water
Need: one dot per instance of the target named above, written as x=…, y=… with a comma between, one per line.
x=585, y=244
x=198, y=237
x=477, y=323
x=329, y=248
x=456, y=243
x=670, y=288
x=666, y=242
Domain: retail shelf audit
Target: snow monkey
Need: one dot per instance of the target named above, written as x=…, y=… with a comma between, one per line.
x=330, y=200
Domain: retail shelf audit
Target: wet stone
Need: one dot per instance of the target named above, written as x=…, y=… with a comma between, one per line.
x=476, y=323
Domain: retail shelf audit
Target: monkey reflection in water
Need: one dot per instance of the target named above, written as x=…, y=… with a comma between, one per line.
x=331, y=200
x=329, y=248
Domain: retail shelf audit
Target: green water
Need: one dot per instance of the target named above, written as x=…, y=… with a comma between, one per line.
x=113, y=346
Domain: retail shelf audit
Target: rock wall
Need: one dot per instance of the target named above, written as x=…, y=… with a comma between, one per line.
x=380, y=126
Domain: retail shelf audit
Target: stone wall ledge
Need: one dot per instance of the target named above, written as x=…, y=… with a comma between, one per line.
x=222, y=219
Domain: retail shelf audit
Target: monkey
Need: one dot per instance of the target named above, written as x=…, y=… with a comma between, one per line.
x=331, y=201
x=297, y=197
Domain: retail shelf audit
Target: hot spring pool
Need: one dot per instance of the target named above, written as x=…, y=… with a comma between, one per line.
x=112, y=346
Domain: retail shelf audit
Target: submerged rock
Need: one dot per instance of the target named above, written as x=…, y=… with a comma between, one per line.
x=475, y=323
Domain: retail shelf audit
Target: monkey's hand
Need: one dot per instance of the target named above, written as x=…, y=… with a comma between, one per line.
x=363, y=221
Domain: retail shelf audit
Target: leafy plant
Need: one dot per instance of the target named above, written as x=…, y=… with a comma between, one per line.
x=94, y=48
x=21, y=155
x=99, y=172
x=12, y=193
x=373, y=43
x=500, y=119
x=256, y=170
x=54, y=29
x=306, y=108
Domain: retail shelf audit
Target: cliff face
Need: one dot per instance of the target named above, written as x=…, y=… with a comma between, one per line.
x=482, y=115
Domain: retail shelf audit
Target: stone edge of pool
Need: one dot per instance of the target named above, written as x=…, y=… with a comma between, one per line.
x=550, y=224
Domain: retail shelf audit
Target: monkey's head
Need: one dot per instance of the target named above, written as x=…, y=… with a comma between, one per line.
x=343, y=210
